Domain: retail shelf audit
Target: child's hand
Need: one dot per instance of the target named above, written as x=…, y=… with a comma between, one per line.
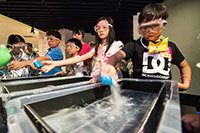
x=33, y=66
x=184, y=86
x=47, y=66
x=109, y=70
x=95, y=79
x=16, y=65
x=191, y=122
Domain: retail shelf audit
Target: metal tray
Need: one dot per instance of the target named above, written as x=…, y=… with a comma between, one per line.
x=14, y=85
x=150, y=98
x=15, y=88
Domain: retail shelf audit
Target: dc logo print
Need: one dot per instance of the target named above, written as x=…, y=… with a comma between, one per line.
x=155, y=63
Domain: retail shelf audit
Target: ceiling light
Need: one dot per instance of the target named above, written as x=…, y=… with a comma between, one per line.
x=32, y=30
x=198, y=65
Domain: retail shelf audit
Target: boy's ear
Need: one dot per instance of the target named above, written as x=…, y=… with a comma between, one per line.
x=165, y=23
x=58, y=41
x=138, y=29
x=78, y=49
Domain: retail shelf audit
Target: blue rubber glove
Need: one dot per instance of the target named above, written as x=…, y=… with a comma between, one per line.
x=37, y=64
x=107, y=80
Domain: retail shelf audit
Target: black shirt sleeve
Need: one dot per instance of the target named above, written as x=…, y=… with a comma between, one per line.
x=177, y=56
x=129, y=49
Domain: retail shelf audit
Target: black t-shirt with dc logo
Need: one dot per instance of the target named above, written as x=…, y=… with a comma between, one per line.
x=152, y=66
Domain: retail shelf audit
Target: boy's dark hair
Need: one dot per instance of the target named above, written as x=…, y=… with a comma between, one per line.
x=76, y=42
x=54, y=33
x=29, y=44
x=153, y=11
x=77, y=30
x=111, y=34
x=12, y=39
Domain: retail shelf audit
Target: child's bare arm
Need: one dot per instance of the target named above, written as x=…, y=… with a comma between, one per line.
x=48, y=65
x=20, y=64
x=185, y=71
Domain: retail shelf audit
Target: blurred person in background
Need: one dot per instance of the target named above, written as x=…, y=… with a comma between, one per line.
x=32, y=55
x=79, y=34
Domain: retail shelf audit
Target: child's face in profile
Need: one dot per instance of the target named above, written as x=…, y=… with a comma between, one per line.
x=72, y=48
x=17, y=47
x=29, y=48
x=152, y=29
x=53, y=41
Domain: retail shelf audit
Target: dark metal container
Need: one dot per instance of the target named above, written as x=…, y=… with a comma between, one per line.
x=23, y=84
x=19, y=87
x=153, y=101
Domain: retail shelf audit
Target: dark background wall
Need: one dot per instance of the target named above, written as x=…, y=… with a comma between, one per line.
x=183, y=28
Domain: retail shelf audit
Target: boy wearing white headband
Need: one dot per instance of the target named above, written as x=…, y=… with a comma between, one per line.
x=152, y=54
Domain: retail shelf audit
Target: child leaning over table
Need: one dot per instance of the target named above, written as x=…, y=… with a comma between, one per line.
x=73, y=47
x=152, y=54
x=53, y=53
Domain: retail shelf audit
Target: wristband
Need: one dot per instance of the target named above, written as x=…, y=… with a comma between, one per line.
x=90, y=55
x=184, y=76
x=107, y=80
x=37, y=64
x=2, y=72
